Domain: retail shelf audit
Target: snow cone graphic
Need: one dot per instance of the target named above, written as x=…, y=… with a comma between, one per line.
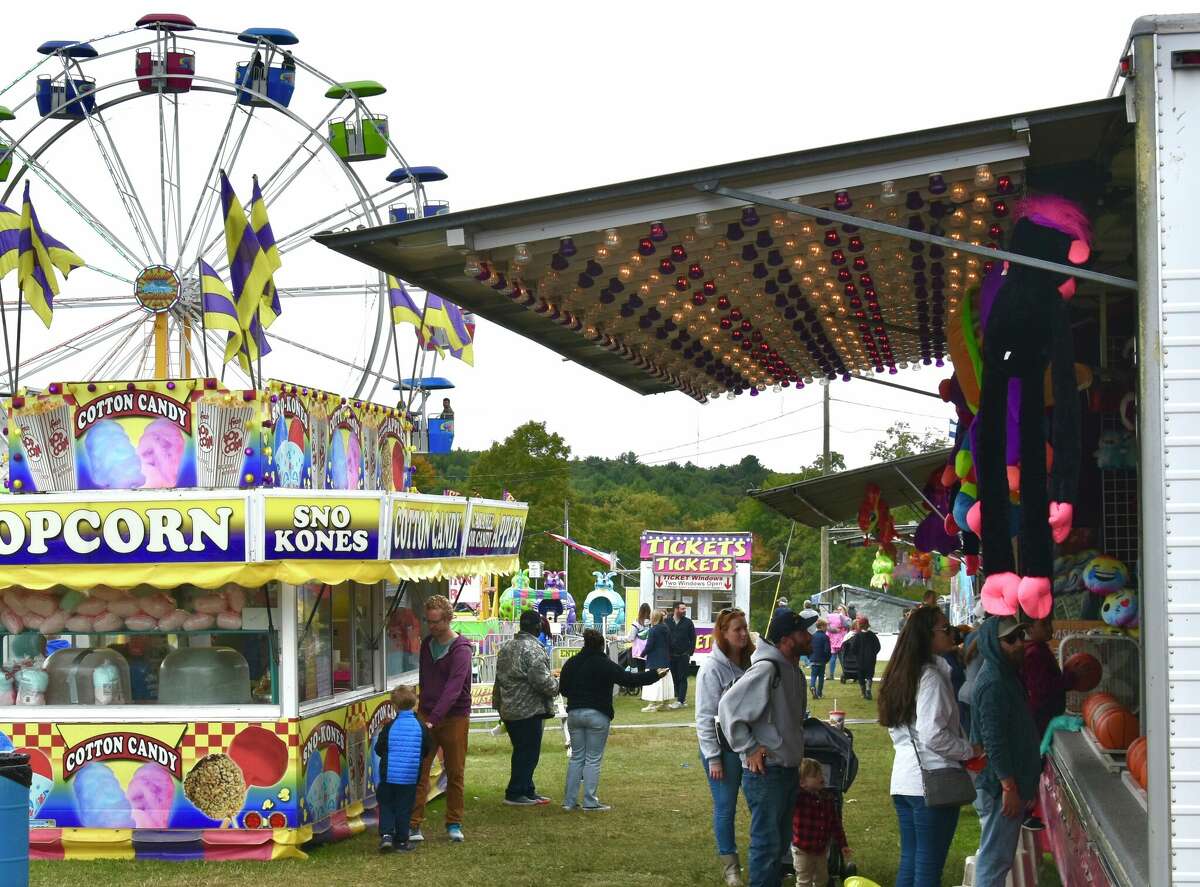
x=43, y=779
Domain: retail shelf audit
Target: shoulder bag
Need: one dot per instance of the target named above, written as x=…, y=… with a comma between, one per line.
x=944, y=786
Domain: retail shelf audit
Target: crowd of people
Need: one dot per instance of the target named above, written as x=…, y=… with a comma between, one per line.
x=955, y=702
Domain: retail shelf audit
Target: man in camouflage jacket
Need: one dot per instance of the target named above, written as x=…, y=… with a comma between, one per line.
x=523, y=694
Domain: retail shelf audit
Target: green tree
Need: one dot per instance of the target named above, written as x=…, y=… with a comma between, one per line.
x=533, y=464
x=901, y=441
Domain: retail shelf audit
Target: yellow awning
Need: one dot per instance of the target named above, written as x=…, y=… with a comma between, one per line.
x=83, y=577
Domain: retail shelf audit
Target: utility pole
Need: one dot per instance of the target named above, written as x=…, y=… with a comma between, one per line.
x=566, y=550
x=824, y=471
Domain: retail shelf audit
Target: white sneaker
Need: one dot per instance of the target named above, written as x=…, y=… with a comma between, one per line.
x=653, y=706
x=674, y=705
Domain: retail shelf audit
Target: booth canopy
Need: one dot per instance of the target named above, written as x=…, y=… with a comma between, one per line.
x=661, y=284
x=835, y=498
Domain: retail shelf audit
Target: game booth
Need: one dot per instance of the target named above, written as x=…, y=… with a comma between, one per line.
x=206, y=595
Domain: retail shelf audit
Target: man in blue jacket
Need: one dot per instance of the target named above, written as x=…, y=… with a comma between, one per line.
x=1002, y=723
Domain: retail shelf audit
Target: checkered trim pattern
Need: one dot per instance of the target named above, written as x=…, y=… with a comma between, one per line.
x=30, y=734
x=211, y=738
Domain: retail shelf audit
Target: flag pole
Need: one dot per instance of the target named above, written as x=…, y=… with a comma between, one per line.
x=17, y=366
x=416, y=354
x=203, y=325
x=7, y=352
x=258, y=346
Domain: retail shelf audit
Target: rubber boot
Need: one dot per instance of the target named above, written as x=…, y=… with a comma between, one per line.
x=732, y=869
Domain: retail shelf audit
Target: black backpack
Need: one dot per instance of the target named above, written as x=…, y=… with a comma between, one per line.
x=721, y=739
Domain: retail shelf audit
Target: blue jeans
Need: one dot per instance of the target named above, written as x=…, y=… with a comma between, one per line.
x=589, y=734
x=998, y=839
x=925, y=836
x=395, y=807
x=833, y=664
x=817, y=680
x=526, y=736
x=771, y=798
x=724, y=797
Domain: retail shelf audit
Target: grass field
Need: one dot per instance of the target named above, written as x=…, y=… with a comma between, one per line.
x=658, y=833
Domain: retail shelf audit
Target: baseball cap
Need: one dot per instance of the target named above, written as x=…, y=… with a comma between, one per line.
x=787, y=622
x=1010, y=625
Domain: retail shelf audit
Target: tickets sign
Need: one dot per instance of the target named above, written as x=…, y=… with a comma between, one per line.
x=423, y=528
x=326, y=528
x=149, y=531
x=496, y=528
x=696, y=554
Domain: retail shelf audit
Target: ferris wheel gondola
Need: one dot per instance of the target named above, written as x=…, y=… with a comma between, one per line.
x=124, y=137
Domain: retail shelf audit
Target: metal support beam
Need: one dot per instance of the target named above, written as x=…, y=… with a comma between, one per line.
x=925, y=237
x=932, y=394
x=904, y=477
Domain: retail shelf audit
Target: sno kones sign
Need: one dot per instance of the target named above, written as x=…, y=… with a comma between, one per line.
x=696, y=554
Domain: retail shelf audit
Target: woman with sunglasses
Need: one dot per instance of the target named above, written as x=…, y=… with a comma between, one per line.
x=730, y=657
x=918, y=706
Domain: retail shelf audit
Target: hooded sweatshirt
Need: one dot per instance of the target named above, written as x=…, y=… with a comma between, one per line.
x=445, y=683
x=717, y=674
x=757, y=710
x=1001, y=720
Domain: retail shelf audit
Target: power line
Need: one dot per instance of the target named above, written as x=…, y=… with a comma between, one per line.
x=872, y=406
x=727, y=433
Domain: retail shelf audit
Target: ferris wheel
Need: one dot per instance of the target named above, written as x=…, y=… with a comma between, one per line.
x=123, y=138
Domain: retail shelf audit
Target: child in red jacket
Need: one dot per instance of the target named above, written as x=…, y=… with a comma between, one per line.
x=816, y=823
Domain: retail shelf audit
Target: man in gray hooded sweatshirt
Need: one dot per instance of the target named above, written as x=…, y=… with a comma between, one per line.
x=762, y=716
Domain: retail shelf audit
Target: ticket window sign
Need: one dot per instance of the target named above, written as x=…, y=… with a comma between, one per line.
x=535, y=569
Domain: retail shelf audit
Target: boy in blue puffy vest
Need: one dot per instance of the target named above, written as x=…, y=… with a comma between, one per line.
x=402, y=744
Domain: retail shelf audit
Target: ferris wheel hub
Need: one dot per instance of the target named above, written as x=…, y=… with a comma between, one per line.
x=157, y=288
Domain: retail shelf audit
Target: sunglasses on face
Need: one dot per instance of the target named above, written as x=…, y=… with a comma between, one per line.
x=1015, y=637
x=731, y=611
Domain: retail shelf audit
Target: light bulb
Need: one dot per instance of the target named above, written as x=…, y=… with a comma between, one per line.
x=521, y=256
x=983, y=176
x=471, y=267
x=703, y=224
x=889, y=193
x=612, y=238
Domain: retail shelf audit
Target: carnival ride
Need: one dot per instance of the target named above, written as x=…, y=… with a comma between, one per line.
x=123, y=137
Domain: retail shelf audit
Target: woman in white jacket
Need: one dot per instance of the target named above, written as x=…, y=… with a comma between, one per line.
x=729, y=658
x=918, y=706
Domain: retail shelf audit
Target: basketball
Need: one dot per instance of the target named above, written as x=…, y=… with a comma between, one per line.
x=1084, y=670
x=1115, y=727
x=1099, y=710
x=1135, y=759
x=1090, y=703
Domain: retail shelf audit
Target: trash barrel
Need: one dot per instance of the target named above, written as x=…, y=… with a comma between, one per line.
x=15, y=777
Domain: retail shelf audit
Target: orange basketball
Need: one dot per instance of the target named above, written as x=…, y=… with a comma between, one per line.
x=1135, y=758
x=1098, y=710
x=1115, y=727
x=1091, y=702
x=1085, y=671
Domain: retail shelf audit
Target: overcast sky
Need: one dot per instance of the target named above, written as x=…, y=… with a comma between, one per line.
x=520, y=99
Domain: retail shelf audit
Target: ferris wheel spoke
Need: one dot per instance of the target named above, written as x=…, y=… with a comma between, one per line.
x=326, y=292
x=73, y=203
x=76, y=344
x=228, y=166
x=162, y=170
x=106, y=363
x=275, y=337
x=269, y=181
x=132, y=189
x=208, y=186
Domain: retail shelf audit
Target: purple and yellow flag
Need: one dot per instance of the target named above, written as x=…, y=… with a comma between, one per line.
x=249, y=268
x=216, y=304
x=36, y=264
x=453, y=330
x=271, y=307
x=404, y=309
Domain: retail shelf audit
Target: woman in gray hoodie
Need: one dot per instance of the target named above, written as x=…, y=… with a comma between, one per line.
x=730, y=657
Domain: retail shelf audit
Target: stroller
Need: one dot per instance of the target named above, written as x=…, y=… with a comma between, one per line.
x=833, y=749
x=850, y=664
x=626, y=661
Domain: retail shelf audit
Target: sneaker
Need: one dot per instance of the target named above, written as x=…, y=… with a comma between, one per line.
x=570, y=807
x=455, y=833
x=385, y=844
x=653, y=706
x=1034, y=824
x=405, y=847
x=520, y=802
x=598, y=809
x=540, y=800
x=415, y=836
x=675, y=704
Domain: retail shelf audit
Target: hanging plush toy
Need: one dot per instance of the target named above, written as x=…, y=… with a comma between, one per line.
x=875, y=519
x=1027, y=329
x=881, y=570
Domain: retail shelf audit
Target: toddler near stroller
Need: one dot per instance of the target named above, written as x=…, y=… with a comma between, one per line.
x=818, y=840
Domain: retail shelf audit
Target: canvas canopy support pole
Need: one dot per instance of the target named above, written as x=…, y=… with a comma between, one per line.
x=923, y=236
x=393, y=605
x=782, y=565
x=904, y=477
x=907, y=388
